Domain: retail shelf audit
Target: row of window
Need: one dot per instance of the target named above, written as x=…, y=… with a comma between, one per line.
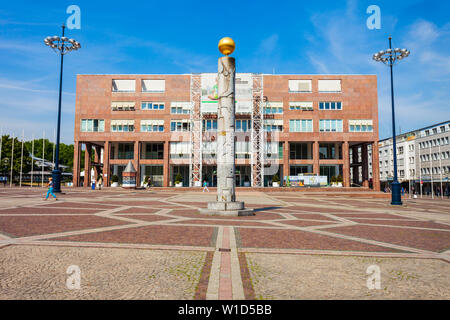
x=435, y=156
x=435, y=170
x=436, y=130
x=434, y=143
x=159, y=85
x=245, y=125
x=182, y=109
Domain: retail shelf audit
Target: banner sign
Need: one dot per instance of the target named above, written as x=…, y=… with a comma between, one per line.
x=307, y=181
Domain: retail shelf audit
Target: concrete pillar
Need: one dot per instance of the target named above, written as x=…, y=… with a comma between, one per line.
x=166, y=177
x=286, y=155
x=355, y=167
x=365, y=166
x=316, y=157
x=106, y=170
x=226, y=203
x=136, y=162
x=375, y=167
x=346, y=166
x=225, y=133
x=87, y=165
x=97, y=161
x=76, y=164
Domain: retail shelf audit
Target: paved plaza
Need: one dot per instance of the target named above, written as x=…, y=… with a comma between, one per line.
x=153, y=244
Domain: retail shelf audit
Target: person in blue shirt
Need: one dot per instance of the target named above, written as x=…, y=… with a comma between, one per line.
x=50, y=189
x=205, y=186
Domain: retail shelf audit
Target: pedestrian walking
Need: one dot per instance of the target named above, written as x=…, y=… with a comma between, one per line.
x=205, y=186
x=149, y=182
x=50, y=189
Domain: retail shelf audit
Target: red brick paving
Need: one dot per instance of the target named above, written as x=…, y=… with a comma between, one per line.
x=139, y=203
x=202, y=286
x=431, y=240
x=313, y=216
x=371, y=215
x=34, y=225
x=137, y=210
x=407, y=223
x=249, y=292
x=302, y=223
x=323, y=209
x=224, y=222
x=81, y=205
x=146, y=217
x=297, y=239
x=259, y=215
x=165, y=235
x=40, y=210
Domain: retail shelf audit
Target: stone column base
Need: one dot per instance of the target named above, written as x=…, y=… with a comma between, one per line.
x=235, y=209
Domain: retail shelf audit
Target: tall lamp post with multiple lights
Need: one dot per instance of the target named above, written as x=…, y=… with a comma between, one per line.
x=390, y=57
x=63, y=45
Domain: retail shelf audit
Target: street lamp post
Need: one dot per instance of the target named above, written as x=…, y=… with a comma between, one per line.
x=64, y=45
x=389, y=57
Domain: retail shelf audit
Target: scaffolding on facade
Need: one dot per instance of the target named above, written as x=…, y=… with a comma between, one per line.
x=257, y=120
x=195, y=162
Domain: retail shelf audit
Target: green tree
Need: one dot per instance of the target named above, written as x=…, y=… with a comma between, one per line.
x=7, y=154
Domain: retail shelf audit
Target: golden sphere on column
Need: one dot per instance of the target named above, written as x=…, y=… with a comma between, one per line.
x=226, y=45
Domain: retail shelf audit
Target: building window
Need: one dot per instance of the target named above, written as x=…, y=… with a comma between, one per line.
x=122, y=105
x=330, y=125
x=300, y=86
x=302, y=125
x=180, y=149
x=152, y=125
x=180, y=107
x=123, y=85
x=179, y=125
x=92, y=125
x=400, y=150
x=329, y=86
x=331, y=105
x=153, y=86
x=301, y=105
x=273, y=125
x=152, y=106
x=122, y=125
x=360, y=125
x=209, y=125
x=243, y=125
x=273, y=108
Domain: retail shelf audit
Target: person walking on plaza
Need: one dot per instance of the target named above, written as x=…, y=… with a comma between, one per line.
x=149, y=182
x=50, y=189
x=205, y=186
x=100, y=182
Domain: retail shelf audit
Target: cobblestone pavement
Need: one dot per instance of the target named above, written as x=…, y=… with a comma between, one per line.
x=153, y=244
x=283, y=276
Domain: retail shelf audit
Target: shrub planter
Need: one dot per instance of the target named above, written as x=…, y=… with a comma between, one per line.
x=179, y=184
x=114, y=185
x=275, y=184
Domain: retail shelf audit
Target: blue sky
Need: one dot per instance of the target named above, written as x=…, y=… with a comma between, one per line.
x=288, y=37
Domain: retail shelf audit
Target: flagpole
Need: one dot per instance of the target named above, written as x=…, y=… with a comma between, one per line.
x=43, y=153
x=420, y=172
x=12, y=162
x=32, y=159
x=1, y=144
x=431, y=173
x=21, y=161
x=440, y=170
x=54, y=144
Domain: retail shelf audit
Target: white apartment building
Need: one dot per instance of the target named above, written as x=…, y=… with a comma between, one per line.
x=422, y=155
